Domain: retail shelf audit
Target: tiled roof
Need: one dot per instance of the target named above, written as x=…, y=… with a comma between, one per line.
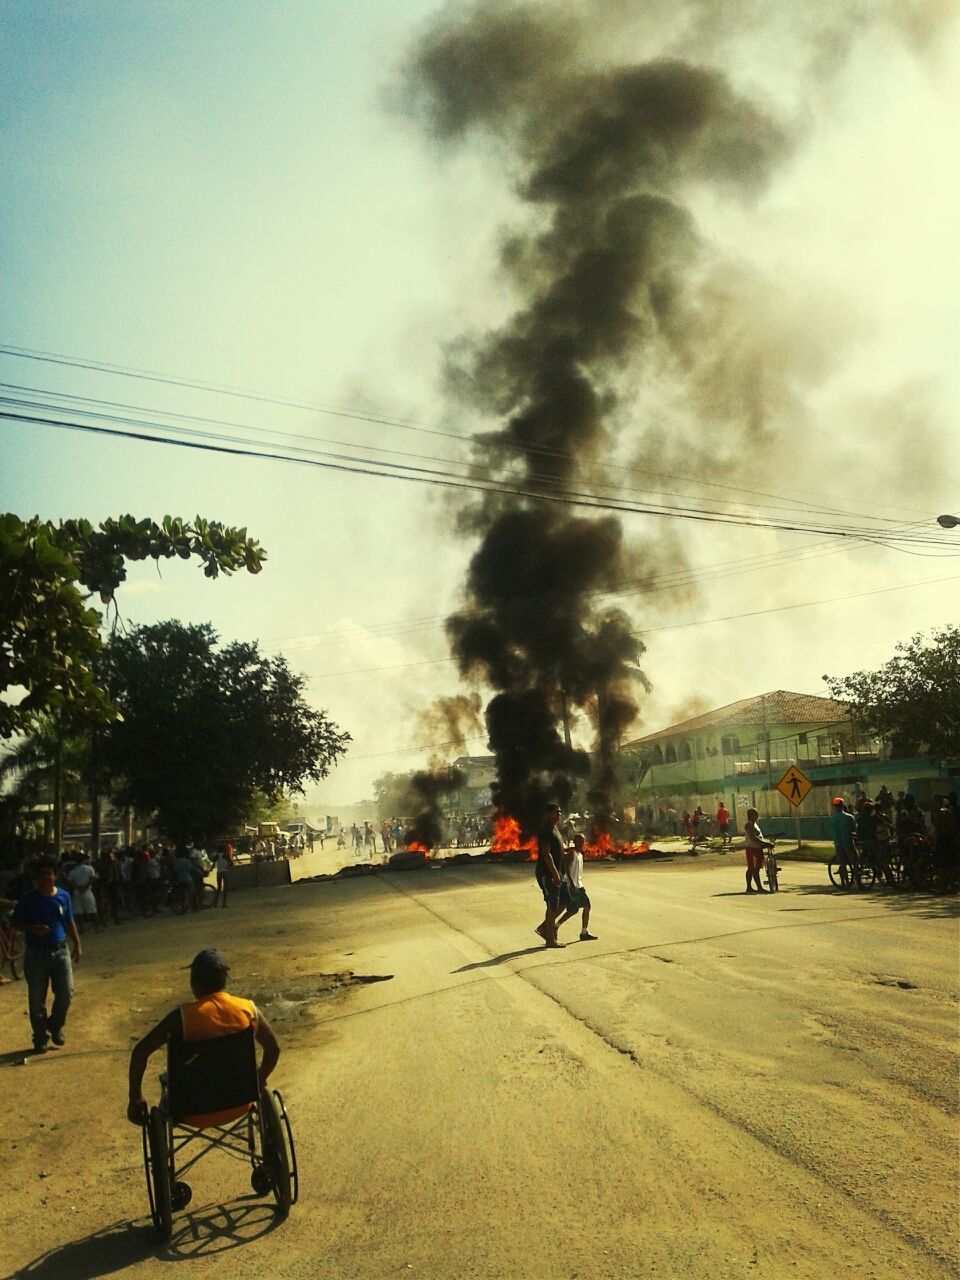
x=770, y=709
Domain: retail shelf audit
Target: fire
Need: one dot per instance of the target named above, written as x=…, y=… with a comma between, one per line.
x=506, y=837
x=416, y=847
x=604, y=847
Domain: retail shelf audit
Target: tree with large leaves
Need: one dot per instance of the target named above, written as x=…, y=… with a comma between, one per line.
x=203, y=728
x=914, y=699
x=49, y=636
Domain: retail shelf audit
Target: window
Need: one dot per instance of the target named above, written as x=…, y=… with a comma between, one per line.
x=671, y=753
x=685, y=752
x=656, y=755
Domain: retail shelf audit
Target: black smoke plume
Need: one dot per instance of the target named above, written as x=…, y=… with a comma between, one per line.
x=603, y=158
x=430, y=787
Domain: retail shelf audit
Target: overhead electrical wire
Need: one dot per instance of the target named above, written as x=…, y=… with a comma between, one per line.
x=782, y=503
x=674, y=626
x=399, y=423
x=441, y=479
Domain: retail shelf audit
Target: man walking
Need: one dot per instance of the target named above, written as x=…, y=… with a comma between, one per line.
x=549, y=873
x=45, y=917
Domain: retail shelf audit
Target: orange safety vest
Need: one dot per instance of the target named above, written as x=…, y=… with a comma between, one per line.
x=219, y=1014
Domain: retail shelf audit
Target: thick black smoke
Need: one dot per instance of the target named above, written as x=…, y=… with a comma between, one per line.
x=603, y=157
x=430, y=787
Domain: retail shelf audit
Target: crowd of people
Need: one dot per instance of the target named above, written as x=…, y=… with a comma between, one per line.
x=890, y=828
x=134, y=880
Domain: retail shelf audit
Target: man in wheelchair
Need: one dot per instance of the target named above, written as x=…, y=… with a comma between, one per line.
x=214, y=1094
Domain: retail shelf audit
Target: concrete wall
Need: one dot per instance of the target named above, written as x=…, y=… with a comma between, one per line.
x=259, y=875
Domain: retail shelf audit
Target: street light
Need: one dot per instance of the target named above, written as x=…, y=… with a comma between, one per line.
x=948, y=522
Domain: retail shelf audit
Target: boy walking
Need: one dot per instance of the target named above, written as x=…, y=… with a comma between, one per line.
x=578, y=895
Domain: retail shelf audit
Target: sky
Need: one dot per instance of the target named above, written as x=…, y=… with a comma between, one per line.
x=243, y=195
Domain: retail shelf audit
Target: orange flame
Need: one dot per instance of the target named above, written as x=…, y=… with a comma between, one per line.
x=416, y=847
x=506, y=837
x=604, y=847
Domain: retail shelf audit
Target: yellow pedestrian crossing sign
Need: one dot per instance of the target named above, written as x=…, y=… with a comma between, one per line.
x=794, y=785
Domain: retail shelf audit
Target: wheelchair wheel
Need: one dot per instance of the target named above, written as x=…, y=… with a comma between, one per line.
x=156, y=1156
x=279, y=1157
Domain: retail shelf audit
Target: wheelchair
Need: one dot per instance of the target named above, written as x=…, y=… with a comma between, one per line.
x=205, y=1077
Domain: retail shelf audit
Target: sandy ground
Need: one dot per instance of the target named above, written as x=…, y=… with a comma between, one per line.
x=721, y=1086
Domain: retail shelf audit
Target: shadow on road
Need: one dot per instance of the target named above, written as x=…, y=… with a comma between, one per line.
x=929, y=906
x=206, y=1231
x=501, y=959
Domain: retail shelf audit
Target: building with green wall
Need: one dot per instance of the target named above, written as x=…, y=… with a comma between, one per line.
x=738, y=753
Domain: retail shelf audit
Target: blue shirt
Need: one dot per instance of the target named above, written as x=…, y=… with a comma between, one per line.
x=51, y=909
x=842, y=827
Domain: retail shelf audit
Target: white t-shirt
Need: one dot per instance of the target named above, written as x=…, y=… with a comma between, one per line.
x=82, y=876
x=575, y=874
x=223, y=864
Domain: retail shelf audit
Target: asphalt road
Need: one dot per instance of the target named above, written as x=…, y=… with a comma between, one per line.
x=720, y=1086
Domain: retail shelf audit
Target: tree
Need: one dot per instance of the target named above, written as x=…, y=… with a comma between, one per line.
x=394, y=795
x=203, y=728
x=49, y=637
x=914, y=699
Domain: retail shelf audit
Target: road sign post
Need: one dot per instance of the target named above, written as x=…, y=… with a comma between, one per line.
x=795, y=786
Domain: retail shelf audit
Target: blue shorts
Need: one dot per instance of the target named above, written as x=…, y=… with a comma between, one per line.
x=550, y=891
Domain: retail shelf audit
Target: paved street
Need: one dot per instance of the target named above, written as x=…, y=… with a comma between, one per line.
x=721, y=1085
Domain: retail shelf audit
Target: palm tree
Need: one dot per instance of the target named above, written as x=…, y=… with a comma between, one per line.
x=47, y=766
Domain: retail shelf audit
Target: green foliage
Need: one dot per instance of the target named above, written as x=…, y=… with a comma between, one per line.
x=49, y=637
x=203, y=729
x=914, y=699
x=260, y=808
x=394, y=795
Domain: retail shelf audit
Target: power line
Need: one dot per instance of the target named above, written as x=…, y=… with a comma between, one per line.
x=445, y=480
x=258, y=433
x=261, y=397
x=673, y=626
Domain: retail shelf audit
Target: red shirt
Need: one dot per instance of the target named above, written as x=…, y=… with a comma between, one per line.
x=723, y=817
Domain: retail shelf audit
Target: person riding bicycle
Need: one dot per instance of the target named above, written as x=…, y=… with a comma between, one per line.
x=843, y=826
x=213, y=1012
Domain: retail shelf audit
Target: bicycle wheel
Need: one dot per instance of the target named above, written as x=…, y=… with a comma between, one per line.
x=11, y=953
x=833, y=870
x=865, y=874
x=894, y=871
x=179, y=899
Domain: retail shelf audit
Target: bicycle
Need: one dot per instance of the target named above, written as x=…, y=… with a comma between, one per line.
x=11, y=947
x=851, y=871
x=770, y=866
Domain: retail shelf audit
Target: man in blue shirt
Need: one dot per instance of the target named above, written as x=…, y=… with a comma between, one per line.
x=843, y=826
x=45, y=916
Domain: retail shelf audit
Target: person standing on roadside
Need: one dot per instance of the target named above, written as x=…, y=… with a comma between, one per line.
x=224, y=865
x=45, y=917
x=843, y=826
x=81, y=880
x=549, y=873
x=756, y=842
x=723, y=822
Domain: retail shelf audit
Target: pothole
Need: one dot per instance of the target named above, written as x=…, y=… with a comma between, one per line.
x=884, y=981
x=294, y=1002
